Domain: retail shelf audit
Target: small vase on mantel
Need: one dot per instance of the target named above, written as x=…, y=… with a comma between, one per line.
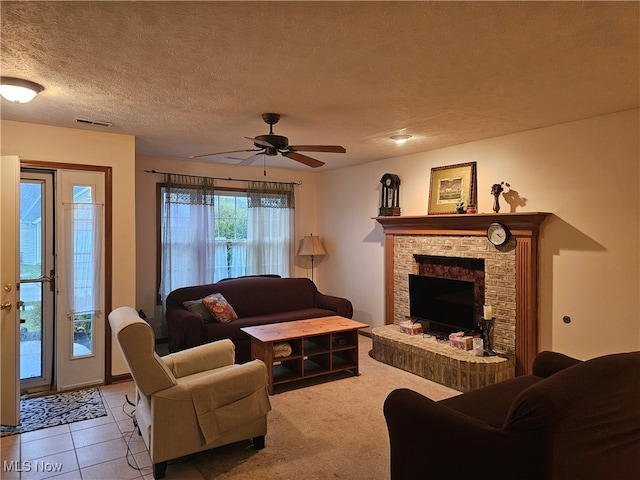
x=496, y=203
x=496, y=190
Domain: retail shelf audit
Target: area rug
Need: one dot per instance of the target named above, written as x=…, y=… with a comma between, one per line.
x=58, y=409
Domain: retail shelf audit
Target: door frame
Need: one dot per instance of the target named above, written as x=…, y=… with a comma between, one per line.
x=108, y=243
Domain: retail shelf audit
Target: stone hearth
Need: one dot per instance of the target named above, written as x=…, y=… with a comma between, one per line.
x=437, y=361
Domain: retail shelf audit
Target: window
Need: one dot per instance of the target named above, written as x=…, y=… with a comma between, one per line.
x=230, y=226
x=208, y=235
x=84, y=223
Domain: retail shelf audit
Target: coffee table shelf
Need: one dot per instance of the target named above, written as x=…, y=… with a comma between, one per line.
x=319, y=346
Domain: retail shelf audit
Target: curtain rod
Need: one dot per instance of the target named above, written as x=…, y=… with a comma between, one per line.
x=299, y=182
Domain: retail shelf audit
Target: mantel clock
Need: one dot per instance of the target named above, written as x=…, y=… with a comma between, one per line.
x=390, y=205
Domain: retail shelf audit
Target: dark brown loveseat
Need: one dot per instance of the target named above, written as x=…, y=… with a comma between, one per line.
x=569, y=420
x=256, y=301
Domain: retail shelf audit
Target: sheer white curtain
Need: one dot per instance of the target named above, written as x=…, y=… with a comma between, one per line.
x=270, y=228
x=231, y=258
x=238, y=258
x=188, y=243
x=83, y=227
x=221, y=269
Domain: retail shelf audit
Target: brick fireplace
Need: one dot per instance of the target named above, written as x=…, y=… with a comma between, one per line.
x=452, y=257
x=455, y=246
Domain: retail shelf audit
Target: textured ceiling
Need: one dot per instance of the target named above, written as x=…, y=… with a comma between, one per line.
x=193, y=77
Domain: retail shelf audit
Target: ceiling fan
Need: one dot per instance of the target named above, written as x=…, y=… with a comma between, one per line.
x=271, y=144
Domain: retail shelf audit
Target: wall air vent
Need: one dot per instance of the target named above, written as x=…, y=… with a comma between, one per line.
x=95, y=123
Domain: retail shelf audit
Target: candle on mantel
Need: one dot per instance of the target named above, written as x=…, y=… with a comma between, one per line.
x=488, y=312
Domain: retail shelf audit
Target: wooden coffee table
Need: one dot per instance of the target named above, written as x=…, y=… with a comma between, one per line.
x=319, y=346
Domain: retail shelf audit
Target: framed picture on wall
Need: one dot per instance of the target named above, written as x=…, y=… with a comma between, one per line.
x=451, y=185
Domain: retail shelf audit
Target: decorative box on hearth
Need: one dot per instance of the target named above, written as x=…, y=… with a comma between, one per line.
x=460, y=341
x=410, y=328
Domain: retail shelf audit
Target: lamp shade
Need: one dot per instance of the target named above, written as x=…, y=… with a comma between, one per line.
x=311, y=246
x=18, y=90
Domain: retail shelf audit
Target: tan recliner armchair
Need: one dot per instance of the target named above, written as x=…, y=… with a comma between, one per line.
x=191, y=400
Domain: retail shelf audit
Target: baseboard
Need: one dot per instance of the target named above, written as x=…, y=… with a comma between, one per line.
x=49, y=391
x=123, y=377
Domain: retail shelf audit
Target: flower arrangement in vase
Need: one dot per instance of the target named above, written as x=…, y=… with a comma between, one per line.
x=496, y=190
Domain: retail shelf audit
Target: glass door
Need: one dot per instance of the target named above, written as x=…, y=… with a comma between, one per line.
x=80, y=330
x=37, y=280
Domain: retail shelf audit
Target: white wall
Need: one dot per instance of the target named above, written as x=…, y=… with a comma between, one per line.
x=586, y=173
x=305, y=216
x=76, y=146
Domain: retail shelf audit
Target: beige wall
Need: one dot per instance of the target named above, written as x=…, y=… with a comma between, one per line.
x=586, y=173
x=76, y=146
x=305, y=216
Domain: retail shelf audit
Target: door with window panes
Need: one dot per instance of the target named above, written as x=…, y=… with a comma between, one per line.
x=81, y=316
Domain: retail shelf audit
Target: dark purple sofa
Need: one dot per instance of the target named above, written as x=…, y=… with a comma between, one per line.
x=257, y=301
x=569, y=420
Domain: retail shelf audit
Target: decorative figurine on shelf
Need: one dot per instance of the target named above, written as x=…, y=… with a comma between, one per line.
x=496, y=190
x=390, y=205
x=460, y=207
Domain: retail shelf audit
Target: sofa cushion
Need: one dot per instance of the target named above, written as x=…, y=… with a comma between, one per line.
x=567, y=397
x=197, y=307
x=221, y=310
x=264, y=296
x=491, y=404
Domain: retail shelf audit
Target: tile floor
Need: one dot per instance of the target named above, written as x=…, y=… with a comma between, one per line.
x=88, y=450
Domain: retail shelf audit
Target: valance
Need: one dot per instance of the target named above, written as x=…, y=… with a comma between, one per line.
x=270, y=195
x=188, y=189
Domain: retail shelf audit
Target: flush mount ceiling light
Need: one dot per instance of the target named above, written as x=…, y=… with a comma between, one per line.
x=18, y=90
x=400, y=139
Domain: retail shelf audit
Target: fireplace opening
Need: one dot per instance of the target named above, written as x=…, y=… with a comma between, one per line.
x=470, y=272
x=442, y=305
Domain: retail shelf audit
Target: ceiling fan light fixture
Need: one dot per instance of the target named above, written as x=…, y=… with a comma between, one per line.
x=17, y=90
x=400, y=139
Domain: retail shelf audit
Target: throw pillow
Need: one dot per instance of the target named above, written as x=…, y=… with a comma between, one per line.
x=197, y=307
x=219, y=308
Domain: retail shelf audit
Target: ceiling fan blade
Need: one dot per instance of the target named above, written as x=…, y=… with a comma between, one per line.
x=317, y=148
x=258, y=141
x=250, y=160
x=298, y=157
x=224, y=153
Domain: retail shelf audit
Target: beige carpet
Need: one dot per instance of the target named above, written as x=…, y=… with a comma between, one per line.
x=329, y=430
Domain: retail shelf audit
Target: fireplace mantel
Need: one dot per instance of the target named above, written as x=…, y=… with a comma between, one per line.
x=474, y=224
x=525, y=229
